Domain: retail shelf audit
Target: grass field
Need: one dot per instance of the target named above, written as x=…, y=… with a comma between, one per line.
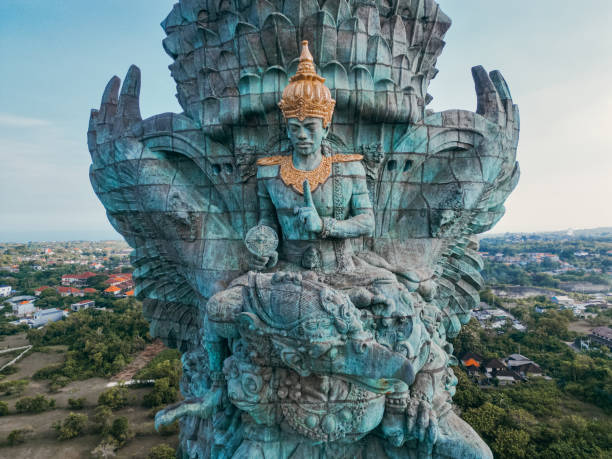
x=42, y=441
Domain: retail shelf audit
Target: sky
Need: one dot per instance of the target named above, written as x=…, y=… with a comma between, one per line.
x=57, y=55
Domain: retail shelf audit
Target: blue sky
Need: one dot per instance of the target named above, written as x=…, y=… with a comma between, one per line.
x=57, y=56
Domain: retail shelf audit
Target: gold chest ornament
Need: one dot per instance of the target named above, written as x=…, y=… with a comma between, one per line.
x=295, y=177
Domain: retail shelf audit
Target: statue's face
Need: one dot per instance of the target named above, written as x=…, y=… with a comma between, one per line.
x=306, y=136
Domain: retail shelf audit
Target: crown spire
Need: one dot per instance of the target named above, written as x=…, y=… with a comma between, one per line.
x=306, y=96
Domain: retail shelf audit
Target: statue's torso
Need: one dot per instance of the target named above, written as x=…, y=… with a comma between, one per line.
x=331, y=199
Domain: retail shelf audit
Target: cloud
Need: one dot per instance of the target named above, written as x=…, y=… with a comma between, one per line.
x=15, y=121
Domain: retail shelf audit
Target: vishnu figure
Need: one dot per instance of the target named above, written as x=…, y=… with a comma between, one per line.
x=320, y=199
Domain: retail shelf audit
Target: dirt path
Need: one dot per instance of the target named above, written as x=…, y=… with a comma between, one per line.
x=140, y=361
x=27, y=348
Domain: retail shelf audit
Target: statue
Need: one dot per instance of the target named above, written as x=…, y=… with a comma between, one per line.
x=308, y=243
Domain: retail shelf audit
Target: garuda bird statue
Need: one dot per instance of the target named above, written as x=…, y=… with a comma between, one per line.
x=304, y=232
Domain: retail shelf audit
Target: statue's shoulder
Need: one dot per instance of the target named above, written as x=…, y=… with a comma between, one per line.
x=268, y=167
x=349, y=164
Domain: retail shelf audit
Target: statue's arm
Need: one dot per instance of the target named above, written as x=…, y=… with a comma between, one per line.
x=361, y=219
x=267, y=211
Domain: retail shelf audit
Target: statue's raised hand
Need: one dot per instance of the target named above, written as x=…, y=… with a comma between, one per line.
x=308, y=215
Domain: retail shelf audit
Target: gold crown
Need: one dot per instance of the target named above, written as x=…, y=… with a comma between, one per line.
x=306, y=96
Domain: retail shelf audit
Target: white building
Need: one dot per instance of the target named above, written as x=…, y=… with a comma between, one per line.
x=563, y=300
x=44, y=316
x=85, y=304
x=5, y=290
x=24, y=308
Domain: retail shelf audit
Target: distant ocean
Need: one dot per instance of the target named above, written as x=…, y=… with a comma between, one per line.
x=58, y=235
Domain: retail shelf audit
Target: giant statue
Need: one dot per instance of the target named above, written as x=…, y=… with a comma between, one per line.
x=305, y=231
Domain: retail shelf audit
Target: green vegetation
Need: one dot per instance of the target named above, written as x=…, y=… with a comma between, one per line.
x=120, y=430
x=36, y=404
x=76, y=403
x=100, y=343
x=540, y=419
x=587, y=258
x=532, y=420
x=166, y=370
x=162, y=451
x=587, y=376
x=18, y=436
x=90, y=343
x=115, y=398
x=73, y=426
x=13, y=387
x=102, y=419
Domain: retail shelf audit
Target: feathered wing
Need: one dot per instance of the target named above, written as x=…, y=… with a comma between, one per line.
x=153, y=178
x=450, y=178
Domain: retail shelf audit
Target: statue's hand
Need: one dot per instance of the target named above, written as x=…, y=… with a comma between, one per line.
x=257, y=263
x=308, y=215
x=203, y=408
x=422, y=424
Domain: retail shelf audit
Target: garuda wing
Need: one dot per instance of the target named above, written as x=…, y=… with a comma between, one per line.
x=168, y=196
x=445, y=182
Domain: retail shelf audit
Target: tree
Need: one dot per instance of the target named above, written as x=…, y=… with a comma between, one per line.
x=76, y=404
x=120, y=430
x=115, y=397
x=49, y=293
x=72, y=427
x=162, y=394
x=18, y=436
x=36, y=404
x=102, y=419
x=162, y=451
x=4, y=409
x=484, y=419
x=511, y=443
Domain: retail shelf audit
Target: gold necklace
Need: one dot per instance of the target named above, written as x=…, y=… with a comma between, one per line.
x=295, y=177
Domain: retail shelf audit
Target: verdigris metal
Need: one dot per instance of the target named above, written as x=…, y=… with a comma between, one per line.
x=310, y=271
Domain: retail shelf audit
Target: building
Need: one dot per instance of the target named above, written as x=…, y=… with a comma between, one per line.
x=494, y=366
x=563, y=300
x=77, y=280
x=24, y=308
x=506, y=377
x=602, y=335
x=69, y=291
x=5, y=291
x=517, y=360
x=85, y=304
x=44, y=316
x=112, y=290
x=39, y=290
x=472, y=362
x=18, y=299
x=529, y=370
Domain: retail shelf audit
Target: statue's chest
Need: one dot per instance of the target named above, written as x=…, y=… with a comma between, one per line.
x=333, y=194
